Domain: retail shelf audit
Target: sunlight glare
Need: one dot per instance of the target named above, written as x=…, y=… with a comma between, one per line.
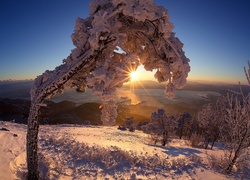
x=134, y=76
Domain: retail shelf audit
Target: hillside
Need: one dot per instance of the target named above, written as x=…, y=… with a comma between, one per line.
x=97, y=152
x=191, y=86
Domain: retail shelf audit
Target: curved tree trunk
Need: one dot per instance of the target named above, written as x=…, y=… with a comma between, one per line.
x=94, y=54
x=32, y=143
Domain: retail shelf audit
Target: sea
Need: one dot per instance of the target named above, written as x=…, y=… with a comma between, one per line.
x=151, y=97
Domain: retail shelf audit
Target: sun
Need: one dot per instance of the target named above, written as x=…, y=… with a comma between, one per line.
x=133, y=76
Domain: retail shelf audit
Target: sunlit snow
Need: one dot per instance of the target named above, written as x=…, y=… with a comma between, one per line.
x=94, y=152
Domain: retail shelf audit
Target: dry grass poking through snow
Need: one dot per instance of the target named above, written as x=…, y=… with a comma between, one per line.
x=76, y=152
x=78, y=160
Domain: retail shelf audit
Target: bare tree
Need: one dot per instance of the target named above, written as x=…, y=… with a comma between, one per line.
x=235, y=130
x=184, y=124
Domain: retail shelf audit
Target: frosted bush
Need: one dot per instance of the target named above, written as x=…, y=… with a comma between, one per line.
x=160, y=125
x=64, y=157
x=128, y=124
x=78, y=156
x=196, y=140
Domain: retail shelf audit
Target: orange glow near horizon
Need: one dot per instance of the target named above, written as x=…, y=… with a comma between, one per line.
x=141, y=74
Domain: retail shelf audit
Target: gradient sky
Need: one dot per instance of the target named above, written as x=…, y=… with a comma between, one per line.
x=35, y=36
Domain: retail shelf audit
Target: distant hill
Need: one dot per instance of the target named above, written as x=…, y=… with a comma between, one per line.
x=191, y=86
x=21, y=89
x=15, y=103
x=15, y=89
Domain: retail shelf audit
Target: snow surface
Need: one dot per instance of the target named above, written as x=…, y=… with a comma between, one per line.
x=83, y=152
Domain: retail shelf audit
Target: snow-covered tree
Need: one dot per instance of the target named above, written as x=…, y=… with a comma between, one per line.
x=142, y=31
x=184, y=124
x=160, y=125
x=235, y=129
x=209, y=121
x=128, y=124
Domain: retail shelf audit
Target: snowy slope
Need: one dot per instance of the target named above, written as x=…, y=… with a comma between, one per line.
x=94, y=152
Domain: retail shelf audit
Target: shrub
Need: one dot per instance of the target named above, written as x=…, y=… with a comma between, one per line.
x=196, y=140
x=128, y=124
x=160, y=125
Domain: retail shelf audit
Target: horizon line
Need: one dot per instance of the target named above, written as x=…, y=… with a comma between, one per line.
x=154, y=80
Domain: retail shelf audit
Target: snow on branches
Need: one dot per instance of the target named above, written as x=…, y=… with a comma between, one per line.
x=141, y=29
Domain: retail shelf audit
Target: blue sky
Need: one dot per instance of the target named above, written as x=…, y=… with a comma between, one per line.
x=35, y=36
x=216, y=36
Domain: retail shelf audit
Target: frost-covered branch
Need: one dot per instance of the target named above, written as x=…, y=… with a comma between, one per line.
x=235, y=129
x=247, y=73
x=141, y=29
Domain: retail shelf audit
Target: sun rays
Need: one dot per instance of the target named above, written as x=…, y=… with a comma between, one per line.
x=134, y=75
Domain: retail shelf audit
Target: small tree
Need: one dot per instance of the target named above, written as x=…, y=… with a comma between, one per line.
x=184, y=124
x=153, y=131
x=161, y=125
x=208, y=119
x=235, y=129
x=128, y=124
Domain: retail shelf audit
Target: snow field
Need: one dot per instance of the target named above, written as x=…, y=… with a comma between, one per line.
x=95, y=152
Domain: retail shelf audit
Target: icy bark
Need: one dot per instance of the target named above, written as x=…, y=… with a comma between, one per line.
x=32, y=147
